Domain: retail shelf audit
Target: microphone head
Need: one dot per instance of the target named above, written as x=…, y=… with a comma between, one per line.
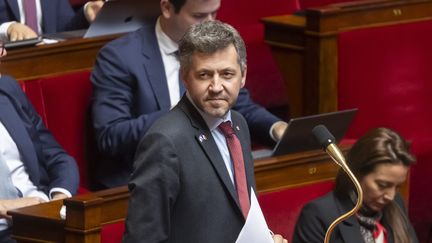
x=323, y=136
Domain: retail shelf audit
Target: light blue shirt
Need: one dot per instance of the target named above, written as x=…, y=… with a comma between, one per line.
x=212, y=124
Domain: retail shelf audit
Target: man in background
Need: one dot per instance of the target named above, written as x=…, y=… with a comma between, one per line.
x=193, y=174
x=136, y=81
x=33, y=166
x=25, y=19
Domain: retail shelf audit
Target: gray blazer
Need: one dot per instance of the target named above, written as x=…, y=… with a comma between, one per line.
x=180, y=187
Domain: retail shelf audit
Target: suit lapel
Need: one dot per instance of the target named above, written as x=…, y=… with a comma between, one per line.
x=48, y=20
x=18, y=132
x=154, y=67
x=15, y=9
x=208, y=145
x=349, y=228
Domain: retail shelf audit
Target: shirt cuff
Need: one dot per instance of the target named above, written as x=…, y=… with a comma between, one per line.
x=59, y=189
x=3, y=30
x=271, y=131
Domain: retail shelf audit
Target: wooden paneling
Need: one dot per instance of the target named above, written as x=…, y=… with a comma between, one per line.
x=305, y=45
x=54, y=59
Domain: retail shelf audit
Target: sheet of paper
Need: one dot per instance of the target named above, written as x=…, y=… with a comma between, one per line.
x=255, y=228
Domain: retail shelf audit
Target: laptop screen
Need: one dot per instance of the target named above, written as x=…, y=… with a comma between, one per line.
x=123, y=16
x=298, y=136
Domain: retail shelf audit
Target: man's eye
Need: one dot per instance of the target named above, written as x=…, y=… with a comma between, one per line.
x=204, y=75
x=228, y=75
x=199, y=16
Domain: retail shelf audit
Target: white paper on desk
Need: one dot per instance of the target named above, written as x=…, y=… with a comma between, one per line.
x=255, y=229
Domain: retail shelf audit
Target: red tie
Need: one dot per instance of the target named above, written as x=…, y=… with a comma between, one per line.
x=236, y=153
x=30, y=14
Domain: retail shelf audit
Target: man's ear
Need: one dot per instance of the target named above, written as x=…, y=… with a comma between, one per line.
x=183, y=76
x=166, y=8
x=243, y=81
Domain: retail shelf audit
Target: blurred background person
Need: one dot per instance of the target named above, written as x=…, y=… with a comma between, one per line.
x=25, y=19
x=380, y=160
x=34, y=168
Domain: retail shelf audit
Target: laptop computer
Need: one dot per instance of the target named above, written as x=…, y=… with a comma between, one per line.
x=115, y=17
x=298, y=136
x=123, y=16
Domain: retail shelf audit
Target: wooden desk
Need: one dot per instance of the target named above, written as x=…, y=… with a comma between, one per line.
x=305, y=46
x=54, y=59
x=87, y=213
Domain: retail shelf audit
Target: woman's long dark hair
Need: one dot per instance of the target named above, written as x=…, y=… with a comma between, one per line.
x=378, y=146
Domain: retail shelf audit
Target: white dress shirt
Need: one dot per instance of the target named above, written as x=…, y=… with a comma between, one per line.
x=20, y=178
x=168, y=48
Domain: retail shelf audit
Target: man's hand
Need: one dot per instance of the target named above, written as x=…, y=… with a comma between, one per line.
x=279, y=129
x=279, y=239
x=6, y=205
x=92, y=9
x=18, y=31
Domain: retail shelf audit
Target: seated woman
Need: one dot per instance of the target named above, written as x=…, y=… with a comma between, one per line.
x=380, y=160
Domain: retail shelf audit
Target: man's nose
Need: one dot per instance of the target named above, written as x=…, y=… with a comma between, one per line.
x=216, y=84
x=210, y=17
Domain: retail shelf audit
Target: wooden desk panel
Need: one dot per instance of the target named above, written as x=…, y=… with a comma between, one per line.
x=305, y=46
x=55, y=59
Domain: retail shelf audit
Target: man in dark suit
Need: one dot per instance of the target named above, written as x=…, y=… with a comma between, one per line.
x=193, y=171
x=136, y=81
x=51, y=16
x=33, y=166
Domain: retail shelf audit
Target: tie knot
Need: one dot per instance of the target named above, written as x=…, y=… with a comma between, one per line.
x=226, y=128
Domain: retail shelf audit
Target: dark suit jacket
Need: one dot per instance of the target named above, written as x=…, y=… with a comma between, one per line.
x=57, y=15
x=131, y=93
x=316, y=217
x=180, y=187
x=45, y=161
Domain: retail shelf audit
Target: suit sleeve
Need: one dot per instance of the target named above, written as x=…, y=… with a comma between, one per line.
x=310, y=227
x=154, y=186
x=258, y=118
x=67, y=19
x=118, y=130
x=60, y=168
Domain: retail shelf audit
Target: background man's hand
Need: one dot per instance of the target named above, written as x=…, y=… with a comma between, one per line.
x=18, y=31
x=92, y=9
x=6, y=205
x=279, y=239
x=279, y=129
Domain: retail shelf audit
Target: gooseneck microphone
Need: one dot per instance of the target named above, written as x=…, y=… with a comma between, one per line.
x=327, y=142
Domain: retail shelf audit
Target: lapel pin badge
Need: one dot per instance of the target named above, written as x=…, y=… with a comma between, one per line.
x=202, y=137
x=238, y=128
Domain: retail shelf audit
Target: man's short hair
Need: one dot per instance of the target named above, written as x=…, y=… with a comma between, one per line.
x=178, y=4
x=209, y=37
